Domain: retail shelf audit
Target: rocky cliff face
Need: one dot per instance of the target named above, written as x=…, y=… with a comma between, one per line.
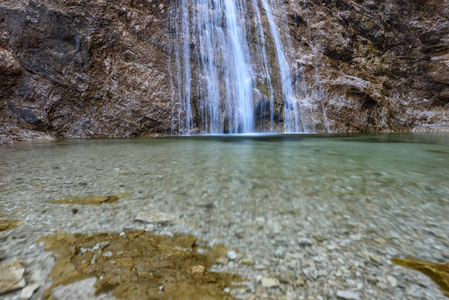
x=74, y=68
x=84, y=68
x=384, y=65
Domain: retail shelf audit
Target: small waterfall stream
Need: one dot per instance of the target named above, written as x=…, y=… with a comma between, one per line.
x=230, y=70
x=290, y=107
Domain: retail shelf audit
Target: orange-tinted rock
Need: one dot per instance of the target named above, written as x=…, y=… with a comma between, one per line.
x=438, y=272
x=9, y=224
x=137, y=265
x=87, y=200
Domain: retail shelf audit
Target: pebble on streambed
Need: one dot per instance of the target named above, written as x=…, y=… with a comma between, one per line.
x=155, y=217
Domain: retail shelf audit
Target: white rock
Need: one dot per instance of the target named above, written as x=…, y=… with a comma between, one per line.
x=28, y=291
x=393, y=282
x=347, y=295
x=232, y=255
x=155, y=218
x=222, y=261
x=270, y=282
x=200, y=251
x=247, y=261
x=11, y=276
x=84, y=289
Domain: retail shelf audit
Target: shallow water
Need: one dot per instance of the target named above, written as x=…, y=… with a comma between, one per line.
x=354, y=197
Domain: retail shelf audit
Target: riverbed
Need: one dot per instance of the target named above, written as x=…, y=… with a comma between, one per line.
x=319, y=215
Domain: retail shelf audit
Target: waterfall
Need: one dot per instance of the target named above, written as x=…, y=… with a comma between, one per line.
x=291, y=116
x=229, y=69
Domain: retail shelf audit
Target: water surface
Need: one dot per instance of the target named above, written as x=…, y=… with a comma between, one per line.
x=353, y=197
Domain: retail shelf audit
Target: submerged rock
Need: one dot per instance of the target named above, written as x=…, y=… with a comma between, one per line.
x=437, y=272
x=347, y=295
x=303, y=242
x=137, y=265
x=198, y=271
x=437, y=151
x=28, y=291
x=247, y=261
x=84, y=289
x=9, y=224
x=87, y=200
x=270, y=282
x=232, y=255
x=155, y=218
x=393, y=281
x=11, y=276
x=222, y=261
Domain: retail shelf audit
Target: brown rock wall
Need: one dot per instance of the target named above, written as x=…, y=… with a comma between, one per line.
x=383, y=64
x=90, y=68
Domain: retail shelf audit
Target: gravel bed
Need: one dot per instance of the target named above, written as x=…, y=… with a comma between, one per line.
x=307, y=217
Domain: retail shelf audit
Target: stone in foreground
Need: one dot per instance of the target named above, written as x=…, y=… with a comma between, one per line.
x=11, y=277
x=270, y=282
x=155, y=218
x=437, y=272
x=9, y=224
x=28, y=291
x=347, y=295
x=87, y=200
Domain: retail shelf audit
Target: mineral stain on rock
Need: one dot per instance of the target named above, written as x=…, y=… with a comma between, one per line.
x=137, y=264
x=87, y=200
x=9, y=224
x=437, y=272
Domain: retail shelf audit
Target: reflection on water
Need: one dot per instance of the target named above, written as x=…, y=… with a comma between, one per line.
x=353, y=196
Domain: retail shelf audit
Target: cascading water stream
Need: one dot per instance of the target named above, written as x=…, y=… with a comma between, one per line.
x=241, y=79
x=264, y=60
x=291, y=115
x=222, y=73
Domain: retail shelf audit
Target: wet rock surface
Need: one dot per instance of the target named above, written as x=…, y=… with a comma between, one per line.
x=100, y=69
